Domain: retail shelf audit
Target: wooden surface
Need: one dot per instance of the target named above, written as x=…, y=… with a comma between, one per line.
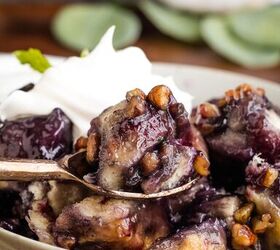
x=28, y=25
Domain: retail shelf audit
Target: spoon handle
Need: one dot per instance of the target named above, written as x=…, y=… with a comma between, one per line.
x=31, y=170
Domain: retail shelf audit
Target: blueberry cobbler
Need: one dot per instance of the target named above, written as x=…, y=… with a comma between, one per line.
x=148, y=143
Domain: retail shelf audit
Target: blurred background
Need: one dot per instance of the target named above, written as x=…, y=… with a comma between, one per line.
x=237, y=35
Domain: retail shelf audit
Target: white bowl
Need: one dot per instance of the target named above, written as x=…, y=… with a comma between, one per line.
x=203, y=83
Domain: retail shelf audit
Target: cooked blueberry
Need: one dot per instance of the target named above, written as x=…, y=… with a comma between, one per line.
x=37, y=137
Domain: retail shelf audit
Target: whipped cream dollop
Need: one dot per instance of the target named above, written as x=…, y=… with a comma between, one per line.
x=14, y=75
x=84, y=87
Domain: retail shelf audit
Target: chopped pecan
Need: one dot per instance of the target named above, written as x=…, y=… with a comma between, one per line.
x=232, y=95
x=241, y=91
x=135, y=92
x=149, y=163
x=242, y=237
x=92, y=148
x=81, y=143
x=201, y=165
x=243, y=214
x=208, y=110
x=270, y=176
x=160, y=96
x=260, y=225
x=244, y=88
x=135, y=107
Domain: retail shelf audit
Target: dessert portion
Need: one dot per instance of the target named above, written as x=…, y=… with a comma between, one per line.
x=149, y=144
x=36, y=137
x=242, y=133
x=145, y=143
x=111, y=224
x=241, y=124
x=236, y=127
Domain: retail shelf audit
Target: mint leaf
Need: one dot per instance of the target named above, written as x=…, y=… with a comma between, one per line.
x=34, y=58
x=84, y=53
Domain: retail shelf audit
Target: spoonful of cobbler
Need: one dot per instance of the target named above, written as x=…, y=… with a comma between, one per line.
x=143, y=147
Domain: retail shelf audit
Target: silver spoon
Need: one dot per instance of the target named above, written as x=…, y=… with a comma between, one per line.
x=38, y=170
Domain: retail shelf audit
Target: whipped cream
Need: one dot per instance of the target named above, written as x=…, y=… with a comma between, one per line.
x=84, y=87
x=14, y=75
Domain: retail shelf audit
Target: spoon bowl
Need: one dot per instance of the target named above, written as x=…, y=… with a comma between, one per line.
x=39, y=170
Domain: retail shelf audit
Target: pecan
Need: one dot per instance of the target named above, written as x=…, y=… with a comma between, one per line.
x=229, y=95
x=135, y=107
x=81, y=143
x=149, y=163
x=244, y=88
x=242, y=237
x=241, y=91
x=160, y=96
x=208, y=110
x=270, y=176
x=201, y=165
x=92, y=148
x=243, y=214
x=260, y=225
x=135, y=92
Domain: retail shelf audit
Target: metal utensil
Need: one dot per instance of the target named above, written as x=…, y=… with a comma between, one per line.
x=39, y=170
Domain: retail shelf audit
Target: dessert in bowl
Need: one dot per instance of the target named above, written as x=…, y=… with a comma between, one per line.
x=143, y=141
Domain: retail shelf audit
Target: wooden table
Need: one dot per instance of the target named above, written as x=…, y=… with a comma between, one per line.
x=28, y=25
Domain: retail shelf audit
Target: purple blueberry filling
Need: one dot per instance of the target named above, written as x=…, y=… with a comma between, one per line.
x=39, y=137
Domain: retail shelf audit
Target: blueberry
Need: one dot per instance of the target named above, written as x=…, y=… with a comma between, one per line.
x=37, y=137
